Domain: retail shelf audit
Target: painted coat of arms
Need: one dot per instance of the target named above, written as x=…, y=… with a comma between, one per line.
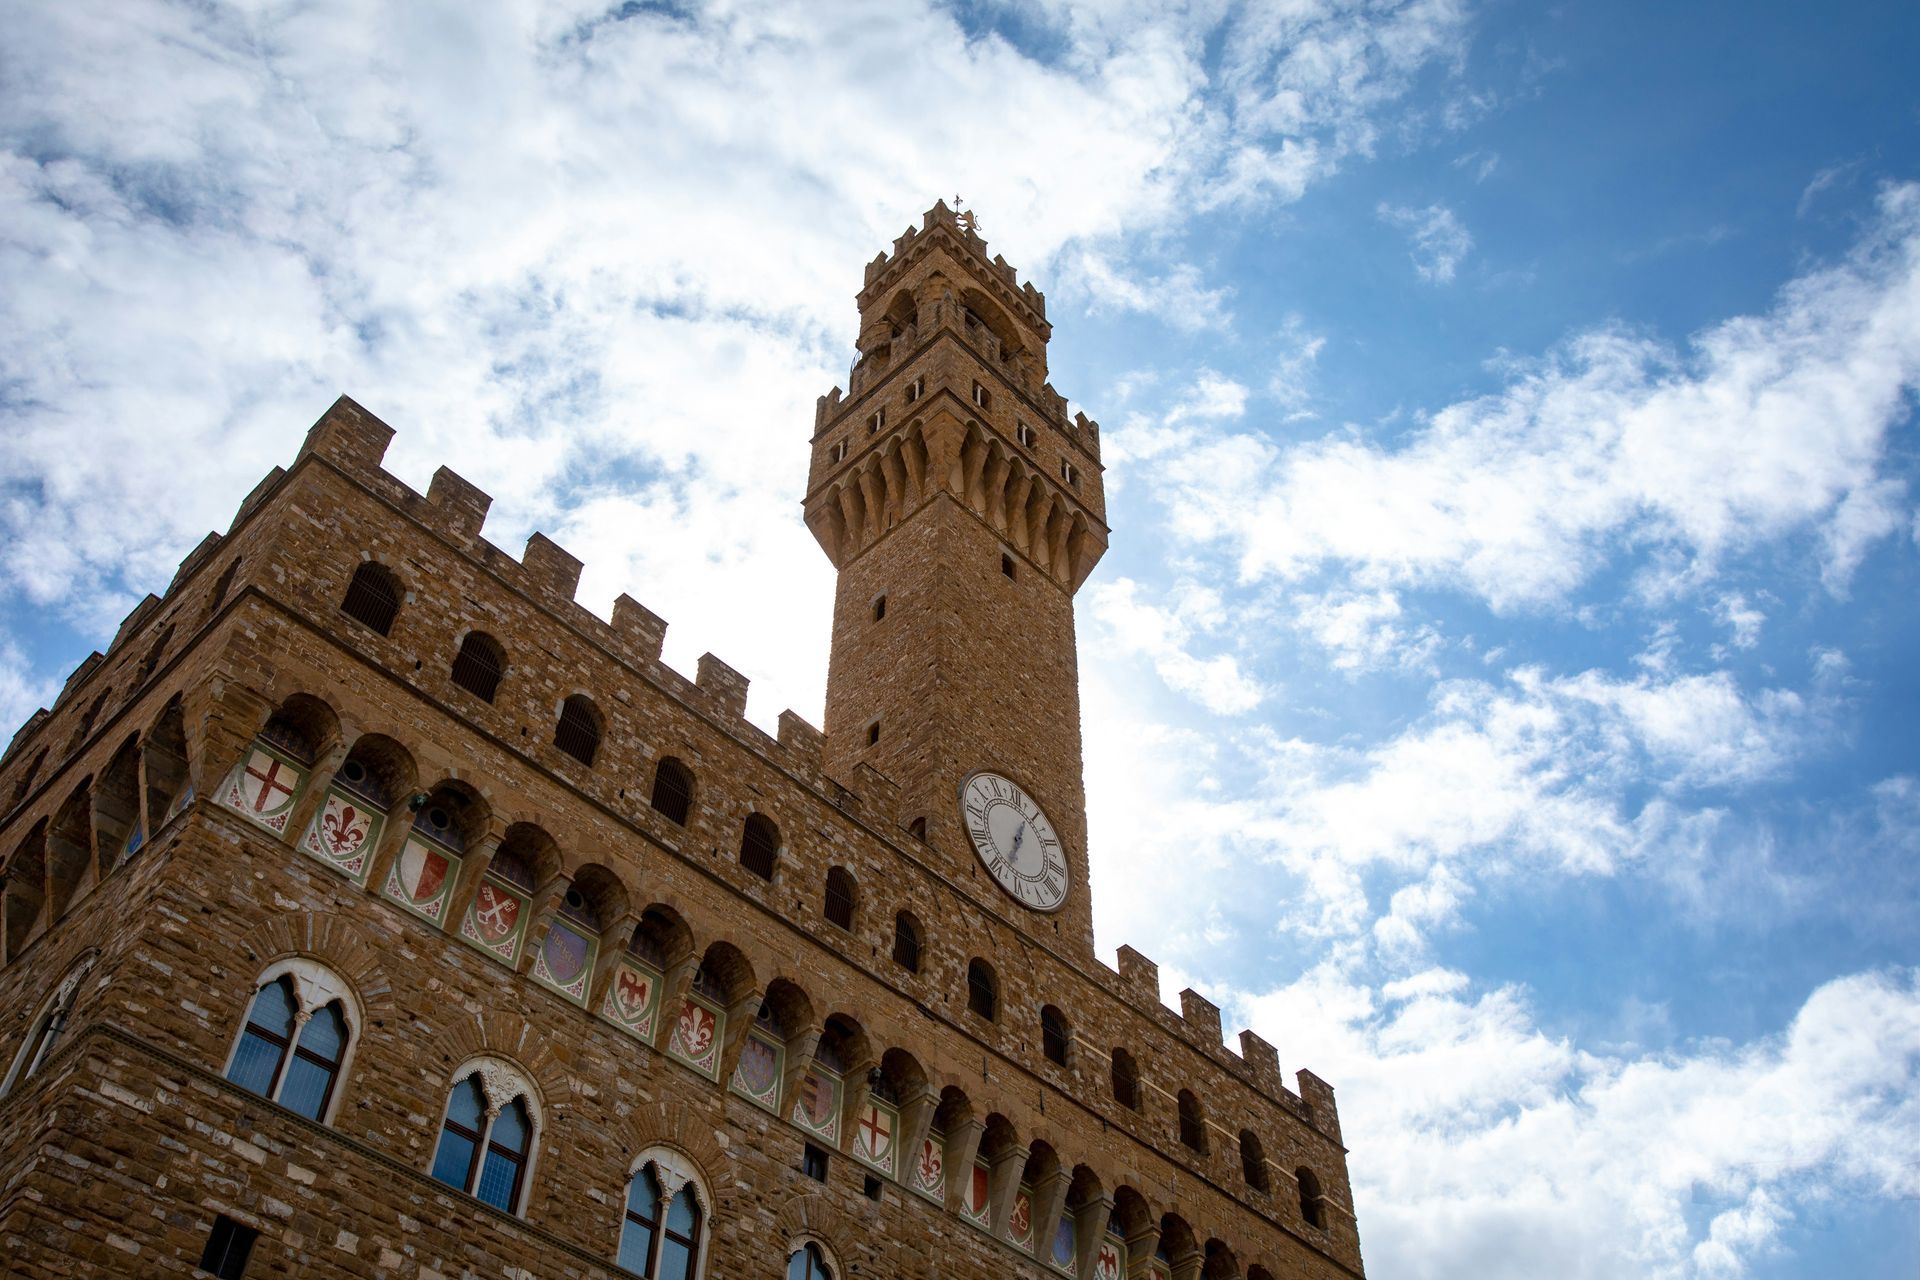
x=976, y=1206
x=696, y=1038
x=930, y=1168
x=496, y=920
x=422, y=878
x=816, y=1105
x=1020, y=1221
x=264, y=789
x=343, y=834
x=873, y=1135
x=565, y=960
x=1107, y=1265
x=757, y=1075
x=630, y=999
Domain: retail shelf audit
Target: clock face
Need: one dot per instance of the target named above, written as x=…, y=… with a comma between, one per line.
x=1015, y=841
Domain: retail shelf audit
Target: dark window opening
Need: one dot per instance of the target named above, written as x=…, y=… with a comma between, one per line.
x=813, y=1163
x=879, y=608
x=983, y=993
x=840, y=898
x=1253, y=1161
x=373, y=597
x=1006, y=564
x=1054, y=1036
x=229, y=1245
x=918, y=829
x=478, y=666
x=906, y=943
x=578, y=733
x=1312, y=1202
x=872, y=1188
x=673, y=790
x=1126, y=1080
x=1193, y=1127
x=759, y=846
x=873, y=734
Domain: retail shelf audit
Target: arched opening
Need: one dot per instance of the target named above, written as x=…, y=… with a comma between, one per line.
x=69, y=849
x=1193, y=1123
x=672, y=790
x=301, y=728
x=759, y=845
x=906, y=942
x=479, y=665
x=155, y=652
x=840, y=898
x=86, y=724
x=27, y=779
x=1126, y=1080
x=983, y=991
x=1219, y=1263
x=1253, y=1160
x=378, y=770
x=1313, y=1206
x=453, y=815
x=26, y=889
x=223, y=585
x=165, y=758
x=578, y=730
x=1055, y=1037
x=116, y=807
x=373, y=597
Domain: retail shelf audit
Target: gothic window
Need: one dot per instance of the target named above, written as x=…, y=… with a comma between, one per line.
x=1253, y=1160
x=487, y=1136
x=1126, y=1080
x=45, y=1031
x=578, y=733
x=373, y=597
x=906, y=942
x=478, y=666
x=840, y=898
x=673, y=790
x=1312, y=1202
x=1054, y=1036
x=1193, y=1125
x=808, y=1263
x=660, y=1235
x=759, y=846
x=983, y=993
x=293, y=1045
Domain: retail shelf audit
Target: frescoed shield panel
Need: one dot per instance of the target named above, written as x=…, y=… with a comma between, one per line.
x=1020, y=1221
x=343, y=834
x=757, y=1074
x=422, y=878
x=874, y=1134
x=497, y=920
x=975, y=1208
x=930, y=1167
x=816, y=1104
x=264, y=788
x=1107, y=1265
x=1063, y=1243
x=631, y=999
x=696, y=1037
x=565, y=960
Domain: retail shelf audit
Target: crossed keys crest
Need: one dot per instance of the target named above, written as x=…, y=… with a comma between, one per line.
x=496, y=912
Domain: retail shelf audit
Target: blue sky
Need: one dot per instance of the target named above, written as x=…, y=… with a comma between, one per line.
x=1505, y=645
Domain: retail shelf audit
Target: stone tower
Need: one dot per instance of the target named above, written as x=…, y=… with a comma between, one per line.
x=371, y=908
x=962, y=509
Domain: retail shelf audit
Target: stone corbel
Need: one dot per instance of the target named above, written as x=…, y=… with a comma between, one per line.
x=855, y=1100
x=1141, y=1246
x=963, y=1145
x=1003, y=1184
x=473, y=865
x=1089, y=1233
x=1049, y=1198
x=800, y=1048
x=1187, y=1265
x=543, y=903
x=740, y=1015
x=916, y=1118
x=317, y=782
x=613, y=945
x=673, y=996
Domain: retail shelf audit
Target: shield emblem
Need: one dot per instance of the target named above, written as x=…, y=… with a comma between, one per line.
x=343, y=829
x=977, y=1193
x=422, y=873
x=1107, y=1265
x=756, y=1067
x=565, y=953
x=632, y=992
x=1020, y=1221
x=495, y=913
x=694, y=1032
x=931, y=1165
x=268, y=784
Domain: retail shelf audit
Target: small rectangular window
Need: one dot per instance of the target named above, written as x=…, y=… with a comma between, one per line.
x=915, y=388
x=813, y=1163
x=1069, y=473
x=876, y=420
x=980, y=396
x=229, y=1245
x=872, y=1187
x=1025, y=435
x=838, y=453
x=873, y=734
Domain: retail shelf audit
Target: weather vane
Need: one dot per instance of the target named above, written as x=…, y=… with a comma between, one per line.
x=966, y=220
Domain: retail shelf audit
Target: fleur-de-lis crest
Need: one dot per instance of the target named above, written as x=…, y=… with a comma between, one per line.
x=343, y=829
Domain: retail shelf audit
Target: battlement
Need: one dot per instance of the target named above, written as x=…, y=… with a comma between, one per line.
x=964, y=229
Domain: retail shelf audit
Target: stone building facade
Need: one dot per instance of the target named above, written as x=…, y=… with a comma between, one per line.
x=373, y=909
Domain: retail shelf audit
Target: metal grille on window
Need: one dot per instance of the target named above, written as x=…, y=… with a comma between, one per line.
x=373, y=597
x=479, y=665
x=759, y=846
x=578, y=733
x=840, y=898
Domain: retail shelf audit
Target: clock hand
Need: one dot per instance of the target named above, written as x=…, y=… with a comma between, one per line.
x=1018, y=836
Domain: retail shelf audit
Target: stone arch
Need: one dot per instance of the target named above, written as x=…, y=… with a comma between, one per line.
x=528, y=856
x=603, y=897
x=26, y=889
x=465, y=810
x=302, y=725
x=70, y=853
x=901, y=1075
x=1221, y=1262
x=662, y=935
x=501, y=1033
x=677, y=1127
x=727, y=967
x=809, y=1214
x=117, y=824
x=791, y=1008
x=334, y=940
x=164, y=755
x=386, y=769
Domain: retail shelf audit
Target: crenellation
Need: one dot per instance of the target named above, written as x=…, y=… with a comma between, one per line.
x=349, y=437
x=550, y=569
x=638, y=629
x=801, y=738
x=253, y=499
x=201, y=552
x=1317, y=1094
x=1202, y=1018
x=1141, y=977
x=135, y=619
x=724, y=687
x=1263, y=1063
x=455, y=505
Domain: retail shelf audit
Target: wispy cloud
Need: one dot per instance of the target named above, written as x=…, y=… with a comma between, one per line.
x=1440, y=243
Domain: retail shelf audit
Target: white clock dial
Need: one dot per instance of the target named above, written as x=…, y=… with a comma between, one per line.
x=1016, y=843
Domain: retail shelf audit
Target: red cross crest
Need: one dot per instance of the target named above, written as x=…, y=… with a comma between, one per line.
x=267, y=783
x=875, y=1133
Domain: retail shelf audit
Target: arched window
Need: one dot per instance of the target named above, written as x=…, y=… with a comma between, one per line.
x=1253, y=1160
x=578, y=733
x=1193, y=1126
x=1126, y=1080
x=759, y=845
x=983, y=993
x=478, y=666
x=486, y=1139
x=1312, y=1202
x=918, y=829
x=1054, y=1036
x=906, y=942
x=660, y=1236
x=293, y=1045
x=840, y=898
x=373, y=597
x=47, y=1028
x=673, y=789
x=808, y=1263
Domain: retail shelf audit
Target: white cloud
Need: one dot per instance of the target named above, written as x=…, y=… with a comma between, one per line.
x=22, y=691
x=1164, y=637
x=1486, y=1147
x=1364, y=631
x=1178, y=297
x=1770, y=424
x=1439, y=240
x=1743, y=619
